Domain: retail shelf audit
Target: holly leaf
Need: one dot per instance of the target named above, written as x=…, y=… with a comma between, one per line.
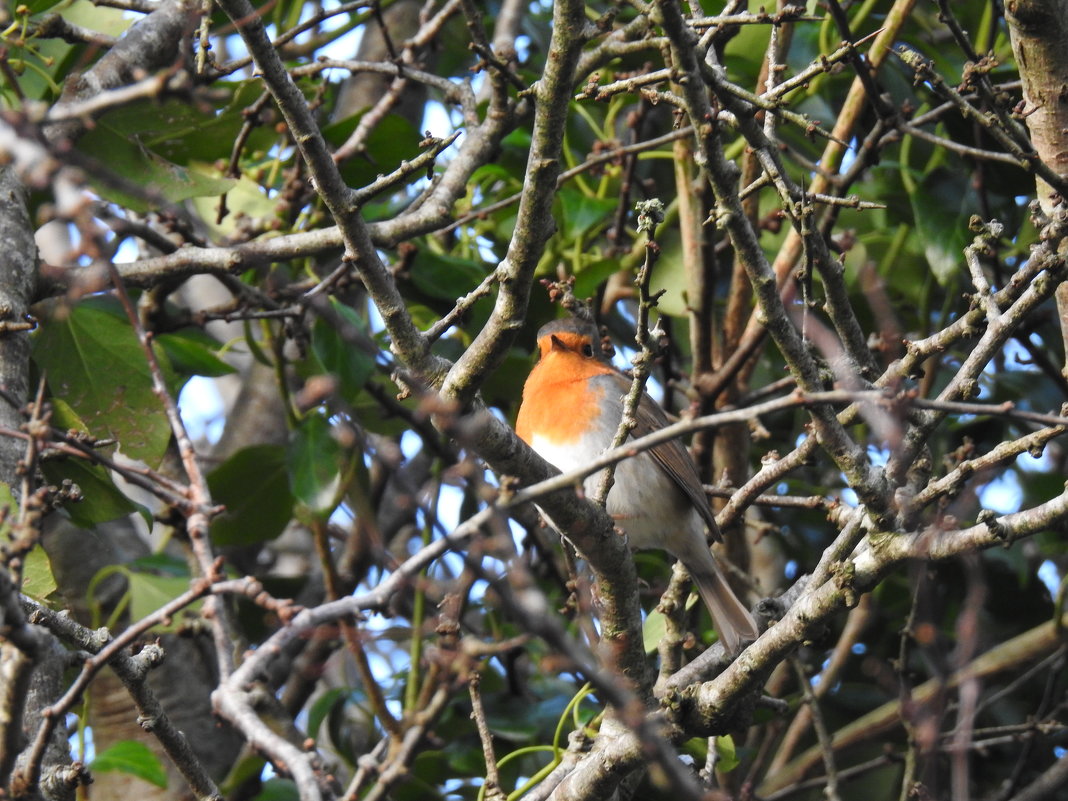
x=130, y=756
x=315, y=463
x=94, y=363
x=37, y=579
x=253, y=484
x=349, y=364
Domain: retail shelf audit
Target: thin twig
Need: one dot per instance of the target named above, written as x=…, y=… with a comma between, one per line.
x=650, y=215
x=451, y=317
x=830, y=778
x=1013, y=140
x=604, y=157
x=422, y=163
x=492, y=785
x=133, y=672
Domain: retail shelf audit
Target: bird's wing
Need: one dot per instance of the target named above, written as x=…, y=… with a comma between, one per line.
x=672, y=456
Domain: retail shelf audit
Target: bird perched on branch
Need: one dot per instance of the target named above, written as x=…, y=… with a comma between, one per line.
x=572, y=406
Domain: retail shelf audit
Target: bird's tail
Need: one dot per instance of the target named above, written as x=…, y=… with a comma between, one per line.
x=730, y=616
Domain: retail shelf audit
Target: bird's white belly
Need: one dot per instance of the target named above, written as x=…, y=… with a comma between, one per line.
x=644, y=501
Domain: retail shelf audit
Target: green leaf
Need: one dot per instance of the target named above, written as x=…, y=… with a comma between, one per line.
x=64, y=417
x=422, y=316
x=377, y=419
x=323, y=706
x=728, y=755
x=413, y=788
x=726, y=752
x=349, y=723
x=519, y=720
x=149, y=592
x=392, y=141
x=130, y=756
x=278, y=790
x=315, y=463
x=432, y=766
x=101, y=499
x=95, y=363
x=247, y=768
x=111, y=21
x=253, y=484
x=191, y=352
x=8, y=503
x=520, y=139
x=40, y=6
x=37, y=579
x=347, y=362
x=590, y=276
x=161, y=564
x=444, y=277
x=246, y=200
x=653, y=631
x=130, y=158
x=488, y=174
x=184, y=132
x=579, y=212
x=52, y=58
x=670, y=275
x=253, y=345
x=942, y=207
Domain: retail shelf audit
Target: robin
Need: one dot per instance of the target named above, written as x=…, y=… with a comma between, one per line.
x=571, y=409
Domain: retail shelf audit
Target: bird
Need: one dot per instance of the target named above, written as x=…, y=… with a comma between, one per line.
x=571, y=408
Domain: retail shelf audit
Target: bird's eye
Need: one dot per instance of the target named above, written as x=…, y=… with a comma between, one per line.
x=587, y=350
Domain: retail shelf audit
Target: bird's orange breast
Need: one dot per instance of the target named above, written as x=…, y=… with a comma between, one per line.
x=559, y=402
